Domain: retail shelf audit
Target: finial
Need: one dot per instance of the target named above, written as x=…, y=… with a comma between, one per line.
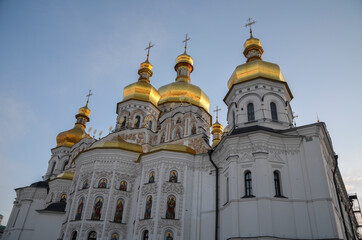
x=185, y=41
x=89, y=94
x=249, y=25
x=217, y=113
x=318, y=118
x=148, y=50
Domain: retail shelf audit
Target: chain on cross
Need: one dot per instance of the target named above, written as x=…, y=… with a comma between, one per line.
x=217, y=112
x=150, y=45
x=185, y=41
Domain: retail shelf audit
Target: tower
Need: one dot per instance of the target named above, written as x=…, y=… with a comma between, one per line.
x=138, y=111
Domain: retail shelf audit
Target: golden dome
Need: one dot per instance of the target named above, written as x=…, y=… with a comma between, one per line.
x=184, y=58
x=67, y=175
x=255, y=67
x=72, y=136
x=216, y=131
x=142, y=90
x=182, y=90
x=77, y=133
x=117, y=142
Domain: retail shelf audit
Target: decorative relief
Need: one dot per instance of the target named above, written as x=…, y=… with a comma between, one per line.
x=169, y=223
x=168, y=187
x=150, y=188
x=146, y=223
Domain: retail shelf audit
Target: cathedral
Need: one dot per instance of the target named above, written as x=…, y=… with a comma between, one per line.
x=158, y=175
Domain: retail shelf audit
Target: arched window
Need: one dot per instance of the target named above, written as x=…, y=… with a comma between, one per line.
x=97, y=209
x=102, y=183
x=278, y=192
x=173, y=176
x=251, y=114
x=248, y=184
x=137, y=122
x=78, y=215
x=119, y=211
x=74, y=235
x=123, y=186
x=168, y=235
x=151, y=178
x=150, y=125
x=92, y=235
x=145, y=235
x=65, y=164
x=114, y=236
x=273, y=110
x=123, y=122
x=171, y=204
x=148, y=207
x=53, y=167
x=193, y=130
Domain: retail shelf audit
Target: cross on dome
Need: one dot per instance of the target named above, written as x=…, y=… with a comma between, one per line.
x=185, y=41
x=88, y=95
x=249, y=25
x=217, y=112
x=150, y=45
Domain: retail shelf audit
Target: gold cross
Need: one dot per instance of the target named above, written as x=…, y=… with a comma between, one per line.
x=89, y=94
x=249, y=25
x=148, y=49
x=185, y=41
x=217, y=112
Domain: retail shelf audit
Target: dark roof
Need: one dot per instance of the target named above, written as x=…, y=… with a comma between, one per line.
x=40, y=184
x=236, y=131
x=54, y=207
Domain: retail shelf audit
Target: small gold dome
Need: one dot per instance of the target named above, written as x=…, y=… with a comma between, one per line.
x=216, y=131
x=72, y=136
x=146, y=65
x=142, y=91
x=84, y=111
x=184, y=58
x=117, y=142
x=184, y=92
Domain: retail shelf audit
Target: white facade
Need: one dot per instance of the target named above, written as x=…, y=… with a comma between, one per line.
x=266, y=179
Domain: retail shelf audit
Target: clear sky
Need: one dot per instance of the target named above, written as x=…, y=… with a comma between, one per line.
x=53, y=52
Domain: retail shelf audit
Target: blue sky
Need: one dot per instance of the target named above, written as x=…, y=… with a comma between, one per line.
x=53, y=52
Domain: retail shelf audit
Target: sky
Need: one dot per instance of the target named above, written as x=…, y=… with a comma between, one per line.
x=53, y=52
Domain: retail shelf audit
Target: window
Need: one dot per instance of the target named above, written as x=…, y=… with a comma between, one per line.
x=168, y=235
x=78, y=215
x=51, y=172
x=273, y=110
x=171, y=204
x=150, y=125
x=145, y=235
x=85, y=184
x=248, y=185
x=173, y=176
x=278, y=192
x=123, y=186
x=137, y=122
x=119, y=211
x=74, y=235
x=123, y=122
x=92, y=235
x=102, y=183
x=63, y=198
x=148, y=207
x=97, y=208
x=251, y=115
x=65, y=164
x=151, y=178
x=114, y=236
x=227, y=189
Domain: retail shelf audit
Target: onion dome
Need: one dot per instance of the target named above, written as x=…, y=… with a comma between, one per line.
x=216, y=131
x=117, y=142
x=182, y=90
x=142, y=90
x=77, y=133
x=255, y=67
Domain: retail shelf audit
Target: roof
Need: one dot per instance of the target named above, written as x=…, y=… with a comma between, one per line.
x=54, y=207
